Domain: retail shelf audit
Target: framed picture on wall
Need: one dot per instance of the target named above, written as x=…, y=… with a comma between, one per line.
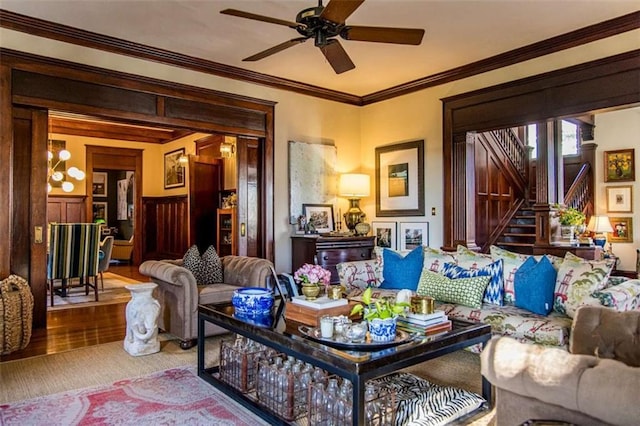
x=620, y=165
x=173, y=169
x=385, y=233
x=100, y=211
x=619, y=199
x=622, y=230
x=100, y=181
x=413, y=234
x=400, y=179
x=319, y=217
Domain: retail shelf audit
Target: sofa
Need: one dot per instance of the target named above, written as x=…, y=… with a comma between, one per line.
x=550, y=328
x=179, y=293
x=595, y=383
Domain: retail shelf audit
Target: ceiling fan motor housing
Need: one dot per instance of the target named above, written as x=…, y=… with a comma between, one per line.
x=312, y=25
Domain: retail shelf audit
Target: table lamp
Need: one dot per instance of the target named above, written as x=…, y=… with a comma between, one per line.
x=599, y=225
x=354, y=186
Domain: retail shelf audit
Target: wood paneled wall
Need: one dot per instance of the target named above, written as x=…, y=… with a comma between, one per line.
x=165, y=225
x=66, y=209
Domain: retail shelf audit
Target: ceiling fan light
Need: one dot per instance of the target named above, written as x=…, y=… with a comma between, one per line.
x=64, y=155
x=67, y=186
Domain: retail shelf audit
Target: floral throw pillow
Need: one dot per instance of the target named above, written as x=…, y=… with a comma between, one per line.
x=470, y=259
x=621, y=297
x=577, y=279
x=435, y=259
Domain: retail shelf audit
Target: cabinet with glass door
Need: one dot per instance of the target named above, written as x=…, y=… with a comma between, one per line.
x=226, y=237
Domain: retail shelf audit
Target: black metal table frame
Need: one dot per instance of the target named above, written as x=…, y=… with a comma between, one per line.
x=312, y=353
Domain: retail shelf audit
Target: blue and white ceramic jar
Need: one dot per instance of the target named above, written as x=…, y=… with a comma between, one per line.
x=252, y=301
x=382, y=330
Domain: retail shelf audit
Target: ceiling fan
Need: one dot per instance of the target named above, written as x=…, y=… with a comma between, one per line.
x=324, y=24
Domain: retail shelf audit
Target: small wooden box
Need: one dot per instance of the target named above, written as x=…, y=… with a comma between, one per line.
x=310, y=316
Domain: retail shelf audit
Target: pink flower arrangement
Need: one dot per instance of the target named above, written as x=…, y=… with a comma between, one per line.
x=312, y=274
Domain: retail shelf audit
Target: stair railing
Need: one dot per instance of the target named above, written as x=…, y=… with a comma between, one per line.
x=504, y=222
x=516, y=151
x=580, y=193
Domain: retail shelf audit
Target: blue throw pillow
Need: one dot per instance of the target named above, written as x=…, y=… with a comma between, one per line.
x=401, y=272
x=495, y=290
x=534, y=285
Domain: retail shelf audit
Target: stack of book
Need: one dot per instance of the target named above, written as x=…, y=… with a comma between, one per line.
x=427, y=324
x=308, y=312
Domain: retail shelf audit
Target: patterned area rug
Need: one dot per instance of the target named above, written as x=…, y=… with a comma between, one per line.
x=114, y=292
x=171, y=397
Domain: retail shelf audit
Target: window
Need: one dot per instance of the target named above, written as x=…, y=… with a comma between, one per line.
x=569, y=138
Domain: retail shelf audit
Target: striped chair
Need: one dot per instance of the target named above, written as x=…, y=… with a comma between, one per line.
x=73, y=253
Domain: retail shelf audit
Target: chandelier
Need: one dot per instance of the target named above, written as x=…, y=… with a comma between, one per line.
x=59, y=177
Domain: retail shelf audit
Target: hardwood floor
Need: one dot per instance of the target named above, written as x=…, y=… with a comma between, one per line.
x=79, y=327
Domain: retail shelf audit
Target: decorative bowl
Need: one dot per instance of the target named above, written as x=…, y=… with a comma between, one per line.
x=252, y=301
x=260, y=320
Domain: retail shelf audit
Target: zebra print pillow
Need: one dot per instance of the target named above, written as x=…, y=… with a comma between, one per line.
x=421, y=403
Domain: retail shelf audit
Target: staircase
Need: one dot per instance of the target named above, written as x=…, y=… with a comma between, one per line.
x=520, y=234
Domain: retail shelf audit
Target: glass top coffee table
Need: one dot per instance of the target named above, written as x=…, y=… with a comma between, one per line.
x=356, y=366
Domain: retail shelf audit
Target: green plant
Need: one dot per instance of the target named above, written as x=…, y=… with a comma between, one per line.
x=382, y=308
x=569, y=216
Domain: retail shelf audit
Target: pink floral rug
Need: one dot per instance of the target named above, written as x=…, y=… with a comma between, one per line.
x=171, y=397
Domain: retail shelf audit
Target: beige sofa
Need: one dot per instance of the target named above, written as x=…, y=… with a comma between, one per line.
x=179, y=294
x=595, y=383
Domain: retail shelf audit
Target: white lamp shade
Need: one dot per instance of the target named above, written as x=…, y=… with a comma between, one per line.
x=354, y=185
x=599, y=224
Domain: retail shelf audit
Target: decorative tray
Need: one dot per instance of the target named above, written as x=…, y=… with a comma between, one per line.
x=313, y=333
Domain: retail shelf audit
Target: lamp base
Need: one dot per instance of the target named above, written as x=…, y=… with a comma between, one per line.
x=600, y=240
x=354, y=215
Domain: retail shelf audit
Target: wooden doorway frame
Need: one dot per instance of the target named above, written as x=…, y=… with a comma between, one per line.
x=52, y=84
x=110, y=158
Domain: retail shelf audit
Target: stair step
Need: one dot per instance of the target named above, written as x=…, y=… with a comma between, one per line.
x=521, y=225
x=525, y=216
x=517, y=234
x=514, y=244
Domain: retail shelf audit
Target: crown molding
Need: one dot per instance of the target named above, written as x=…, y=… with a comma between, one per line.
x=47, y=29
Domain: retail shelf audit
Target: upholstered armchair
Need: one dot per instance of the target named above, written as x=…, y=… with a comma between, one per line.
x=595, y=383
x=179, y=294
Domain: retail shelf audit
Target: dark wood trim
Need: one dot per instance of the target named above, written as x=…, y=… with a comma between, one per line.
x=42, y=28
x=6, y=138
x=597, y=85
x=568, y=40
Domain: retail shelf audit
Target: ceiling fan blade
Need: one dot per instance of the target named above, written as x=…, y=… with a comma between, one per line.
x=337, y=56
x=411, y=36
x=339, y=10
x=275, y=49
x=241, y=14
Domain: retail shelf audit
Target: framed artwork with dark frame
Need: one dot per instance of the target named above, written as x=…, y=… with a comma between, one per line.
x=620, y=165
x=319, y=217
x=173, y=169
x=622, y=230
x=620, y=199
x=413, y=234
x=100, y=183
x=400, y=179
x=385, y=233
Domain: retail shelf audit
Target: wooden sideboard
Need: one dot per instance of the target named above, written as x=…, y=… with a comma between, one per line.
x=329, y=251
x=589, y=253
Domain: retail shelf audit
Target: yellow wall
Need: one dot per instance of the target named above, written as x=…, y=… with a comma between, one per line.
x=355, y=131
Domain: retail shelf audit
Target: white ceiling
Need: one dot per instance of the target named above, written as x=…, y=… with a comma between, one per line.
x=458, y=32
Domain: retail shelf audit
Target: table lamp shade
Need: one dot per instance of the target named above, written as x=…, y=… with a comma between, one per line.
x=354, y=185
x=599, y=225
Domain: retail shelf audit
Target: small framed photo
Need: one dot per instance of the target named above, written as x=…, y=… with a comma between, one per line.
x=620, y=199
x=620, y=165
x=622, y=230
x=413, y=234
x=385, y=233
x=319, y=217
x=173, y=169
x=100, y=211
x=100, y=181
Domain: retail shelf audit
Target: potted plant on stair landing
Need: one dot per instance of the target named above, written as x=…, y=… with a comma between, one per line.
x=381, y=315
